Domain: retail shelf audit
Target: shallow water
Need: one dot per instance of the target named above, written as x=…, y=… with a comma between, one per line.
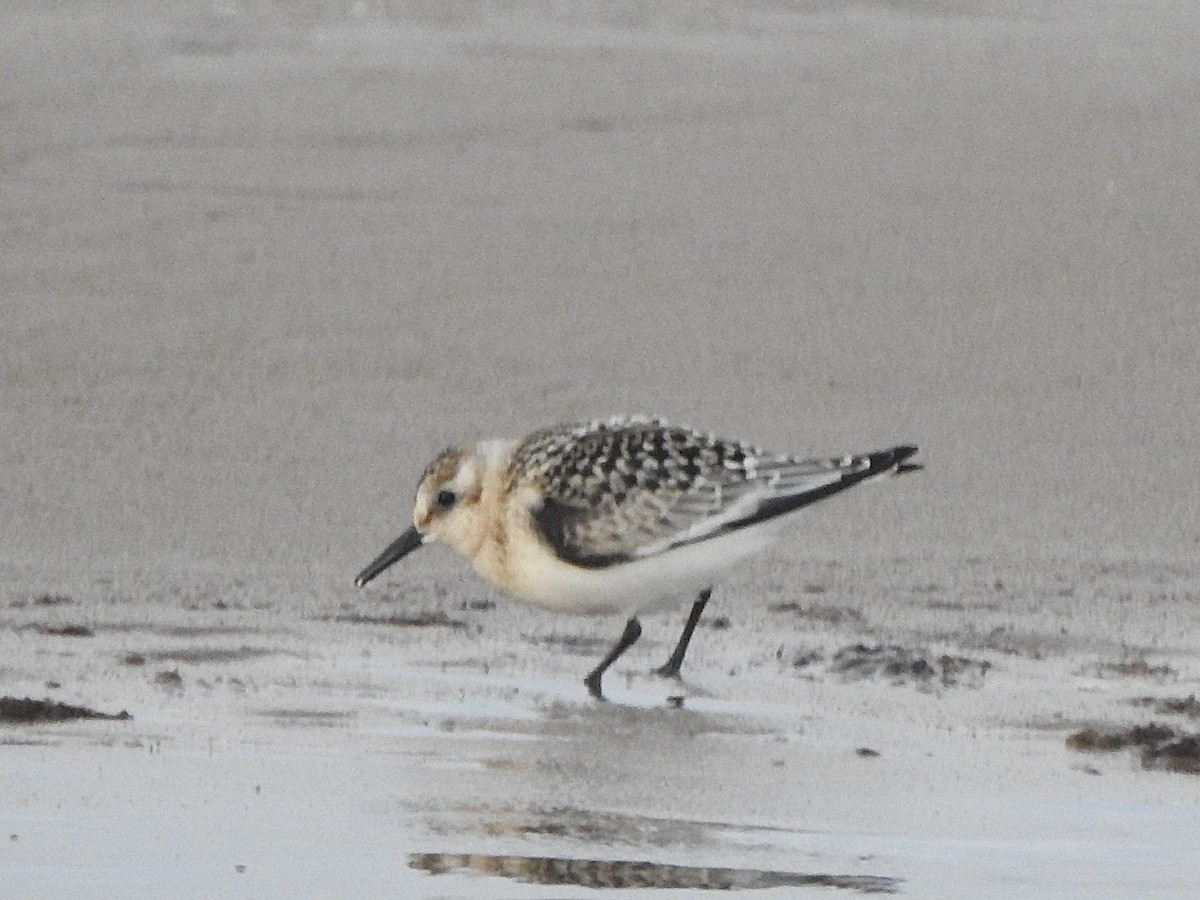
x=338, y=760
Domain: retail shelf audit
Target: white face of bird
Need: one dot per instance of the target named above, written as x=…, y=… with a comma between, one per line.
x=446, y=509
x=447, y=503
x=450, y=505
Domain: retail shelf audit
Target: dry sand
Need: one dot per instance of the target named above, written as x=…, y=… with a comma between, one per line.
x=259, y=260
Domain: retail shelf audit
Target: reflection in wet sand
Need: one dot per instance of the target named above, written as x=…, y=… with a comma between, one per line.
x=604, y=873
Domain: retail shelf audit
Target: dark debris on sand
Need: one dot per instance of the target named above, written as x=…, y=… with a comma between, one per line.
x=65, y=630
x=26, y=711
x=1162, y=746
x=1138, y=668
x=1172, y=706
x=43, y=600
x=436, y=619
x=827, y=613
x=53, y=600
x=902, y=665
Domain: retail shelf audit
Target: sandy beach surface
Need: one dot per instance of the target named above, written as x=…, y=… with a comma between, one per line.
x=259, y=261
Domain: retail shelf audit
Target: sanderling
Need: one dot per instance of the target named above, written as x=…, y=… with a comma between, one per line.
x=618, y=517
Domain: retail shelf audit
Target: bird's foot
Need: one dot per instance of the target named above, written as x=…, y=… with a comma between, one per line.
x=592, y=682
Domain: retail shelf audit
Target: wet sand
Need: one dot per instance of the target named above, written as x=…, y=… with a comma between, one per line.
x=261, y=261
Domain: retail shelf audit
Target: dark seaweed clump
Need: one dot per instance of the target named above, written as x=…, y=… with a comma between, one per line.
x=901, y=665
x=1162, y=747
x=26, y=711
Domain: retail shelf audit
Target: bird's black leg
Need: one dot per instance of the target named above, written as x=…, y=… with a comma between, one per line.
x=672, y=666
x=633, y=631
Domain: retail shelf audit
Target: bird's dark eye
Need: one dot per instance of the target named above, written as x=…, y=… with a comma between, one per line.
x=445, y=499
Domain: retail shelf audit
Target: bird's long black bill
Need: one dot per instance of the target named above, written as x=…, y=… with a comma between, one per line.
x=396, y=550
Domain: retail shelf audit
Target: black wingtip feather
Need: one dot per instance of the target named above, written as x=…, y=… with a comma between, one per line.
x=879, y=464
x=895, y=459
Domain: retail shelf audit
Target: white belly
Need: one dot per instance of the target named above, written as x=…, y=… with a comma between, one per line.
x=536, y=576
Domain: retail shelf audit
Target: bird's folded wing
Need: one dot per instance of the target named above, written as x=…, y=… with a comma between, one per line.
x=642, y=523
